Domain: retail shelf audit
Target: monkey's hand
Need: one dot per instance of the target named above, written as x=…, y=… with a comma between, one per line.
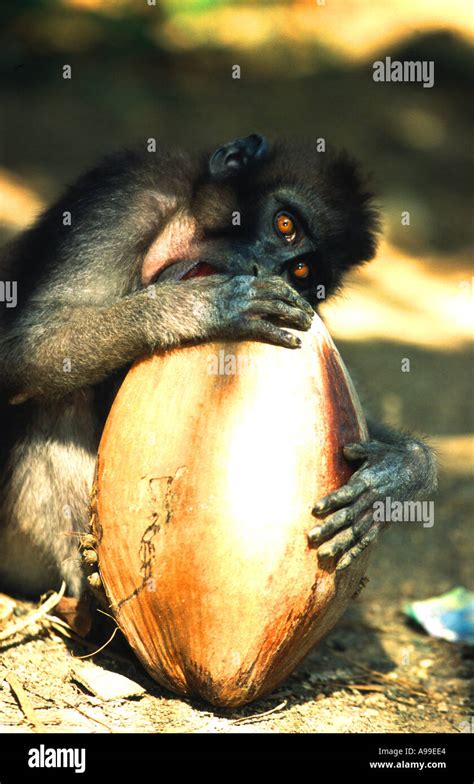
x=252, y=308
x=398, y=471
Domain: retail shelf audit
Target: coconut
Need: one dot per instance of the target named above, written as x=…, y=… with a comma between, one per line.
x=210, y=463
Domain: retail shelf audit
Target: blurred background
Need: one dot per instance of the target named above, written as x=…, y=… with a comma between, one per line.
x=163, y=70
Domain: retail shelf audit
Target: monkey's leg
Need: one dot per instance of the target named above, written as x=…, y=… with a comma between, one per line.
x=45, y=497
x=399, y=468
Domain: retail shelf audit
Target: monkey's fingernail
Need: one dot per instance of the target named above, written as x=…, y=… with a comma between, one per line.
x=319, y=507
x=354, y=451
x=344, y=563
x=90, y=557
x=327, y=550
x=94, y=581
x=314, y=534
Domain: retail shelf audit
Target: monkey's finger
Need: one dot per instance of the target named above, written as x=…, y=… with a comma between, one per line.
x=275, y=287
x=286, y=314
x=342, y=518
x=334, y=523
x=346, y=539
x=364, y=450
x=358, y=548
x=257, y=329
x=346, y=494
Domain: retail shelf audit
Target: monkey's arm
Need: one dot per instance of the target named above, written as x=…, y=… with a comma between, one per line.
x=83, y=311
x=392, y=465
x=53, y=349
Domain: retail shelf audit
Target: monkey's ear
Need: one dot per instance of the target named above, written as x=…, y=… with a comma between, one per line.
x=235, y=157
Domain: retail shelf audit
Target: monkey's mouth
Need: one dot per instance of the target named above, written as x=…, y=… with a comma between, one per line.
x=185, y=270
x=200, y=270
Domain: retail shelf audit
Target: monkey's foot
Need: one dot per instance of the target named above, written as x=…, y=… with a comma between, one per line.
x=88, y=547
x=387, y=470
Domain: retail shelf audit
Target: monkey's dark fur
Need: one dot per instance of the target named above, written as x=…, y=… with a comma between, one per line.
x=96, y=294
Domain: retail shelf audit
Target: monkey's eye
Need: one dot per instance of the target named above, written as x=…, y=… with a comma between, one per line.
x=285, y=225
x=300, y=270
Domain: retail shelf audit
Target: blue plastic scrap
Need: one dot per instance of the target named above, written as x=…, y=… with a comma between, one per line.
x=449, y=616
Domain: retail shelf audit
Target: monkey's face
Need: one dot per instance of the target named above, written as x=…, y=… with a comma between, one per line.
x=286, y=210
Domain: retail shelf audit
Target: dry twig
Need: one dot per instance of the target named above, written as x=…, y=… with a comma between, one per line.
x=257, y=716
x=24, y=701
x=35, y=615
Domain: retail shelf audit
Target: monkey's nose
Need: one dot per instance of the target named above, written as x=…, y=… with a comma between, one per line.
x=260, y=268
